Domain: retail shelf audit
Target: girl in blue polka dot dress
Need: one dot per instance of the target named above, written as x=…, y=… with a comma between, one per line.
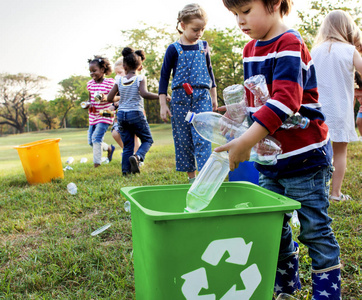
x=193, y=88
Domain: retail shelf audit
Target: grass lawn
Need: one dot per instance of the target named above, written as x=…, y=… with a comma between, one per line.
x=46, y=247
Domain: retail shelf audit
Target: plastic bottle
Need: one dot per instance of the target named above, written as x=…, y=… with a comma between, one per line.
x=207, y=182
x=98, y=97
x=85, y=104
x=107, y=113
x=296, y=121
x=127, y=206
x=257, y=85
x=69, y=160
x=234, y=99
x=72, y=188
x=218, y=129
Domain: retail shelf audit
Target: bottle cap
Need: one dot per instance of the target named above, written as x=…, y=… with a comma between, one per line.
x=189, y=116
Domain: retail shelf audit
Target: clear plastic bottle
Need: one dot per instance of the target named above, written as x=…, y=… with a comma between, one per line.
x=127, y=206
x=85, y=104
x=296, y=121
x=207, y=182
x=234, y=98
x=218, y=129
x=257, y=85
x=72, y=188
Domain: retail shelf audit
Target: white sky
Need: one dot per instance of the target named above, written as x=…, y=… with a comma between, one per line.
x=54, y=38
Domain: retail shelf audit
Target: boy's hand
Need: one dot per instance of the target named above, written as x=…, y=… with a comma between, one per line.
x=237, y=152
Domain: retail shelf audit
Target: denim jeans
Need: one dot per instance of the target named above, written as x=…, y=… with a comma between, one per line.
x=311, y=190
x=96, y=133
x=133, y=123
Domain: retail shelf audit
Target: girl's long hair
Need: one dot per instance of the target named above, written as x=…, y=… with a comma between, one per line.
x=338, y=26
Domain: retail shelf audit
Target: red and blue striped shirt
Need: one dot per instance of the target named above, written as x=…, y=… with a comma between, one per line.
x=290, y=75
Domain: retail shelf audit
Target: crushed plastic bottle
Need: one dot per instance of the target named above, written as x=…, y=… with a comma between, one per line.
x=67, y=168
x=101, y=229
x=257, y=85
x=69, y=160
x=72, y=188
x=104, y=160
x=234, y=98
x=127, y=206
x=218, y=129
x=295, y=219
x=98, y=97
x=85, y=104
x=207, y=182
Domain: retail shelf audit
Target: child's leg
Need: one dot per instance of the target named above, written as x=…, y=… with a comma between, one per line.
x=359, y=123
x=143, y=131
x=181, y=132
x=201, y=103
x=137, y=143
x=116, y=135
x=340, y=164
x=97, y=139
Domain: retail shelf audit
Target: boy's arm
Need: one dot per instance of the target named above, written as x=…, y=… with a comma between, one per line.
x=240, y=148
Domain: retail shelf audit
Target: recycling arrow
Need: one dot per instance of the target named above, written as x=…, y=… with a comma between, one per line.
x=195, y=281
x=239, y=252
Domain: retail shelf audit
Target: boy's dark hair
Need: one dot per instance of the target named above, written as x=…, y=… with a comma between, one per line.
x=285, y=6
x=102, y=62
x=133, y=59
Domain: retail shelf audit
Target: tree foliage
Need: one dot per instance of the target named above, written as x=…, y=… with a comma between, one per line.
x=16, y=91
x=312, y=17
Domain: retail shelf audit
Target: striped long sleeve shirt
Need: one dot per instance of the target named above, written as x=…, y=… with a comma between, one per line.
x=103, y=88
x=290, y=75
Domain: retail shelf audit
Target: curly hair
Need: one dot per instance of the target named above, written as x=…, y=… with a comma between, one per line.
x=102, y=62
x=133, y=59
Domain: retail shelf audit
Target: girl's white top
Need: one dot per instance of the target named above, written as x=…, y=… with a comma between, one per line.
x=335, y=79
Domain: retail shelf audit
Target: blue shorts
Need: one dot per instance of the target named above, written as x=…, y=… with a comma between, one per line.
x=359, y=115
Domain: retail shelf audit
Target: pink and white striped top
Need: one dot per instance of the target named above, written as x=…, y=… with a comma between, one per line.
x=103, y=88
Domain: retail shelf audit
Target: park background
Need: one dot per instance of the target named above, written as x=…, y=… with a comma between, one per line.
x=46, y=250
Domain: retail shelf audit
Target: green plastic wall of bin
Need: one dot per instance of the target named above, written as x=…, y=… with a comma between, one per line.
x=227, y=251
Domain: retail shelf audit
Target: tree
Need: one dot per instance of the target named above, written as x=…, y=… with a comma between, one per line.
x=73, y=92
x=15, y=92
x=45, y=112
x=226, y=57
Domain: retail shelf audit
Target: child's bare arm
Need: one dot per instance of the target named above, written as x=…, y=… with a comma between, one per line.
x=111, y=96
x=144, y=92
x=240, y=148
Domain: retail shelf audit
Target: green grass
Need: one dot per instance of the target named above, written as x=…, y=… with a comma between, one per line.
x=47, y=252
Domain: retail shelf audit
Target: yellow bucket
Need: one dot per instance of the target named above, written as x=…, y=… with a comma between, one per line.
x=41, y=160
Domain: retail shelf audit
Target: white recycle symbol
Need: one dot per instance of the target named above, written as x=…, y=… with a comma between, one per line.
x=239, y=252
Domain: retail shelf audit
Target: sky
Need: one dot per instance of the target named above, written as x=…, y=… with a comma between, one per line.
x=55, y=38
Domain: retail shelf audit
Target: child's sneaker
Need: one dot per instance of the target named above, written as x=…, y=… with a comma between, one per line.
x=110, y=153
x=134, y=161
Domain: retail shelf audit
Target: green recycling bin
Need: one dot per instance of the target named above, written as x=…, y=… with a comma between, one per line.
x=227, y=251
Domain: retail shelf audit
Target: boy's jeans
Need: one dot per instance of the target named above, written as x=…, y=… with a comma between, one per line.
x=311, y=190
